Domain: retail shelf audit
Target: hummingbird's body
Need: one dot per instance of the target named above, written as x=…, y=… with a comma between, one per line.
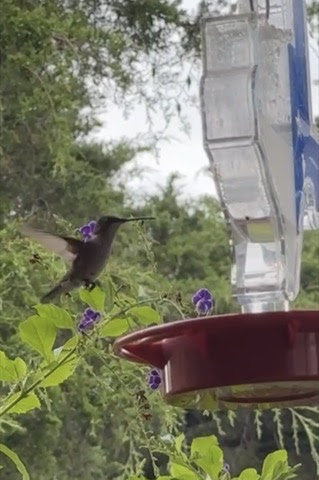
x=88, y=258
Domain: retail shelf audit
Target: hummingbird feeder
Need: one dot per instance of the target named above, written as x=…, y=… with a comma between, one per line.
x=264, y=153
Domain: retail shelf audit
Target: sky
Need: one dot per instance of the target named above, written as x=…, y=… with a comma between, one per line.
x=184, y=154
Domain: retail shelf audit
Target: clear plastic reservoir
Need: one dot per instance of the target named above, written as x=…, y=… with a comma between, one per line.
x=261, y=145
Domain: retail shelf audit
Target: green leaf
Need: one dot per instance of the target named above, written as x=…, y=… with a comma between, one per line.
x=212, y=464
x=124, y=300
x=182, y=472
x=66, y=348
x=209, y=402
x=94, y=298
x=116, y=327
x=207, y=455
x=202, y=446
x=270, y=463
x=39, y=334
x=16, y=460
x=179, y=441
x=59, y=373
x=23, y=405
x=145, y=315
x=60, y=317
x=282, y=471
x=279, y=469
x=109, y=294
x=178, y=445
x=287, y=476
x=249, y=474
x=291, y=472
x=11, y=370
x=20, y=367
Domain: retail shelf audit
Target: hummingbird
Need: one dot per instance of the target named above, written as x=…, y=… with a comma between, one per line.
x=87, y=258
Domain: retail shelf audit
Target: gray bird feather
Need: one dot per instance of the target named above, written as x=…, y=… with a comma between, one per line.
x=66, y=247
x=87, y=258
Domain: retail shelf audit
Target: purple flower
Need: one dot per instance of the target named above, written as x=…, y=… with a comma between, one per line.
x=203, y=301
x=154, y=379
x=88, y=319
x=87, y=230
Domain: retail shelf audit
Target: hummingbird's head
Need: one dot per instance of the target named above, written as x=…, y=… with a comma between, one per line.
x=104, y=223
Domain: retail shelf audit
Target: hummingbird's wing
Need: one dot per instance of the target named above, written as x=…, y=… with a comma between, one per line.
x=66, y=247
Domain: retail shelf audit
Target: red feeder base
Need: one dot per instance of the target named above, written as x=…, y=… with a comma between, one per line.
x=259, y=360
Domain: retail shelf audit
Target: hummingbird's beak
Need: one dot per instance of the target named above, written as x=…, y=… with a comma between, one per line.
x=135, y=219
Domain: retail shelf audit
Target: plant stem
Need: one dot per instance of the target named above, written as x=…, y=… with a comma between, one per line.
x=100, y=355
x=35, y=384
x=123, y=311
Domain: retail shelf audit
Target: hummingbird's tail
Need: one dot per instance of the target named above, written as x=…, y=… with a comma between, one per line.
x=62, y=287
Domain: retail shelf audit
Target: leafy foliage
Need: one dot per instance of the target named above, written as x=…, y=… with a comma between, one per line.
x=205, y=462
x=55, y=59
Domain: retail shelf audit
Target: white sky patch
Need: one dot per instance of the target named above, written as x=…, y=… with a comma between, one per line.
x=183, y=153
